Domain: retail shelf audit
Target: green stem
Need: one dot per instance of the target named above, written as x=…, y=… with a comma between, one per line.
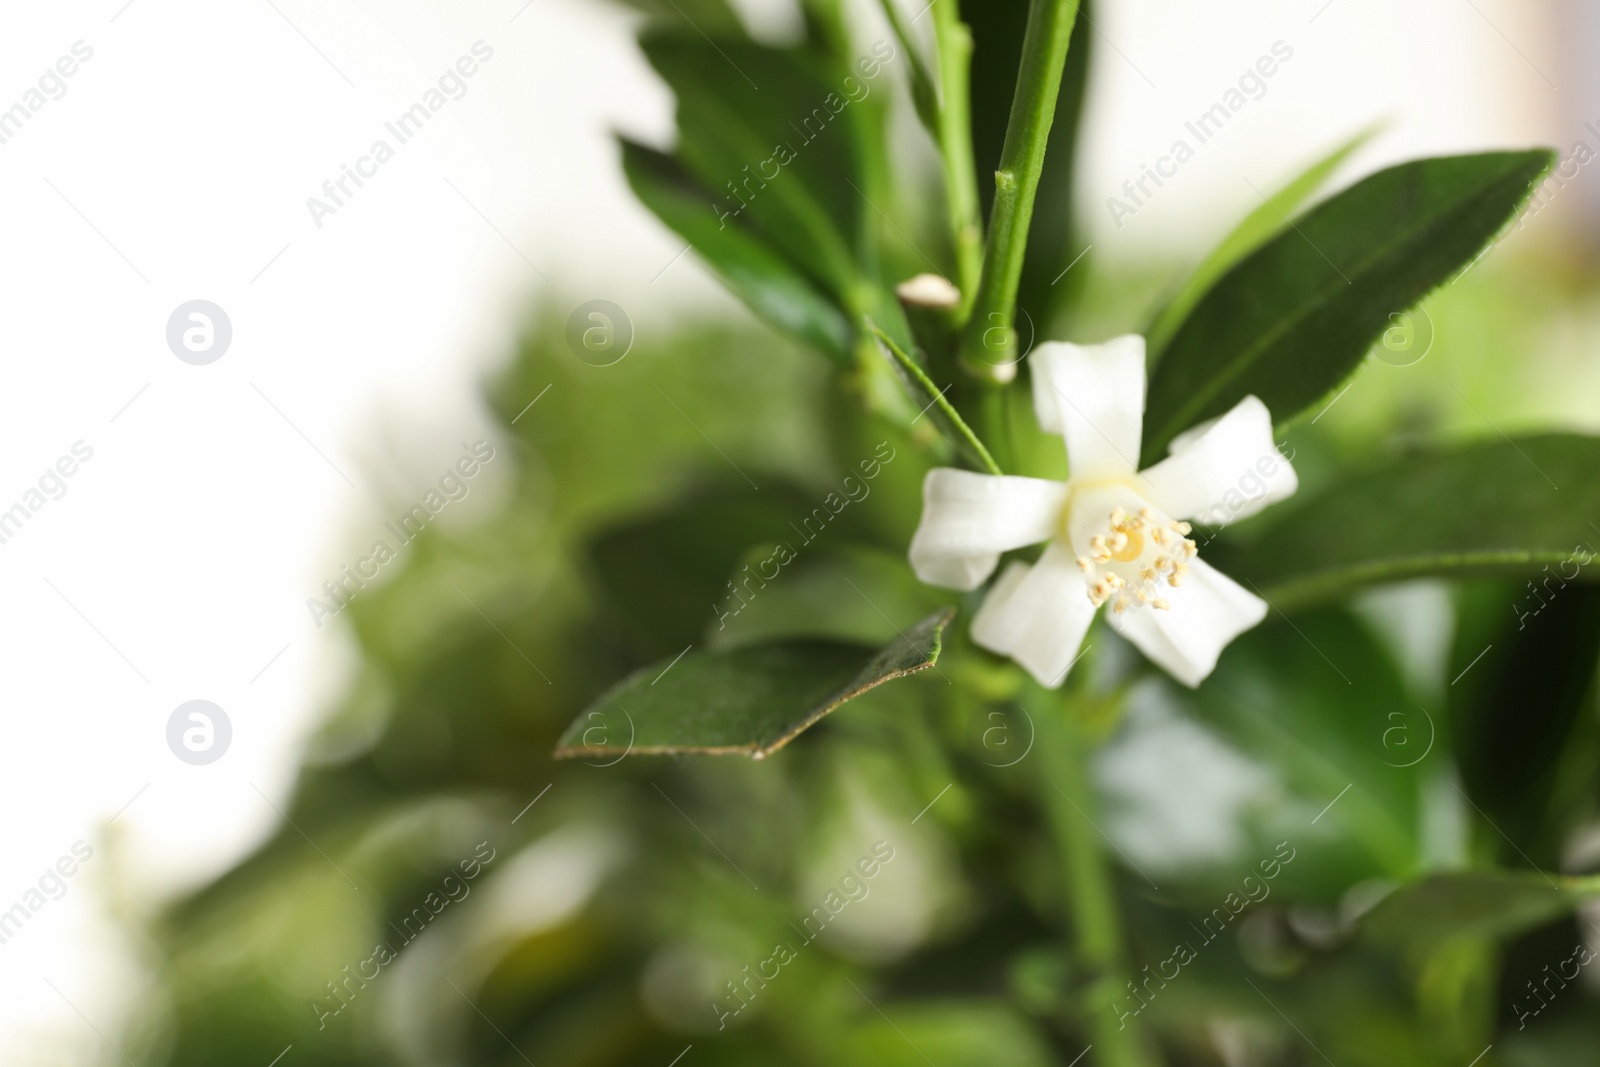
x=920, y=376
x=988, y=347
x=1096, y=935
x=955, y=148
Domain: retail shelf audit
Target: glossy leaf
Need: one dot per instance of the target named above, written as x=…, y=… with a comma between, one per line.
x=748, y=701
x=1294, y=319
x=1497, y=506
x=1266, y=220
x=772, y=286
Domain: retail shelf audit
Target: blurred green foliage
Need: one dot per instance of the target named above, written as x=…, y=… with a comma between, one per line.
x=1352, y=842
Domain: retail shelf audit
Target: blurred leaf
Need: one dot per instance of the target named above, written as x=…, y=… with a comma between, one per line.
x=772, y=286
x=1262, y=223
x=1522, y=738
x=997, y=31
x=1488, y=507
x=959, y=1034
x=1295, y=318
x=664, y=574
x=749, y=701
x=853, y=593
x=756, y=125
x=1497, y=904
x=1311, y=702
x=924, y=96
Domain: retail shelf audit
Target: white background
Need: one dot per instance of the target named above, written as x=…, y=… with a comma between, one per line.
x=177, y=166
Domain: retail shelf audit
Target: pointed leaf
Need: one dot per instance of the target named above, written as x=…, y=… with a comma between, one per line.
x=772, y=286
x=748, y=701
x=1485, y=508
x=1294, y=319
x=1266, y=220
x=773, y=137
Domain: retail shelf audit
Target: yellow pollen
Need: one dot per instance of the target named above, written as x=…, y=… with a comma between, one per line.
x=1123, y=540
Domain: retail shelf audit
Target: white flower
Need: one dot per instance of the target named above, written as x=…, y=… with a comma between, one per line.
x=1115, y=533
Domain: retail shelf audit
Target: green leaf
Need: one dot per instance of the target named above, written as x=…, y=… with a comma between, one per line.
x=1522, y=738
x=661, y=576
x=917, y=381
x=768, y=283
x=914, y=1032
x=1492, y=904
x=853, y=593
x=1491, y=507
x=1294, y=319
x=772, y=135
x=924, y=97
x=1261, y=224
x=748, y=701
x=1312, y=701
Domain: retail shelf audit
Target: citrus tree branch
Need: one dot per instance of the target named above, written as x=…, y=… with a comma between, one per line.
x=988, y=344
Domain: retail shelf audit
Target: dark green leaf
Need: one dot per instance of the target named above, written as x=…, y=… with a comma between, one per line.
x=773, y=136
x=1295, y=318
x=1486, y=508
x=853, y=593
x=663, y=575
x=748, y=701
x=1522, y=739
x=1262, y=223
x=773, y=287
x=1494, y=904
x=1313, y=701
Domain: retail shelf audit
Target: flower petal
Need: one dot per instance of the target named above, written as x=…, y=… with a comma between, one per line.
x=1037, y=615
x=1208, y=611
x=1224, y=470
x=968, y=519
x=1093, y=395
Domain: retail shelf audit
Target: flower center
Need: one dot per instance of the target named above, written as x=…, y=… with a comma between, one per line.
x=1133, y=559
